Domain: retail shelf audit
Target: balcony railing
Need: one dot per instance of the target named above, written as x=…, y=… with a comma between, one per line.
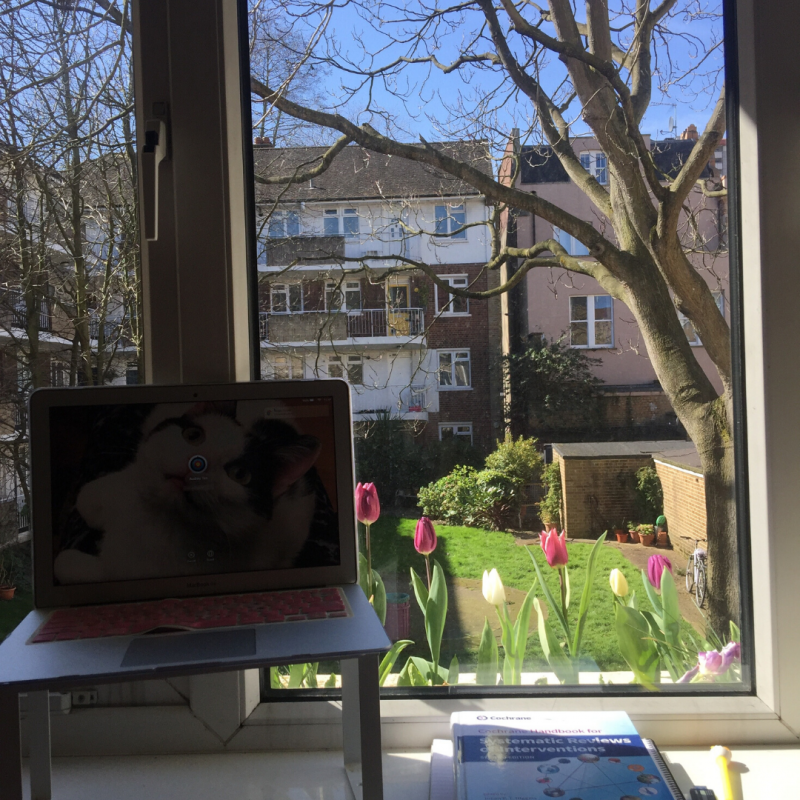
x=414, y=399
x=385, y=322
x=14, y=312
x=263, y=326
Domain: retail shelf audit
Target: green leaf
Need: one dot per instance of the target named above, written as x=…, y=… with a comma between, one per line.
x=486, y=672
x=652, y=595
x=416, y=678
x=387, y=662
x=508, y=671
x=436, y=612
x=521, y=628
x=274, y=679
x=331, y=682
x=420, y=590
x=548, y=595
x=665, y=652
x=671, y=619
x=736, y=634
x=558, y=660
x=568, y=592
x=433, y=677
x=636, y=645
x=452, y=673
x=586, y=595
x=362, y=576
x=379, y=597
x=296, y=674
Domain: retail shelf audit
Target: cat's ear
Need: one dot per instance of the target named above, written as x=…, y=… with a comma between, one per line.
x=296, y=459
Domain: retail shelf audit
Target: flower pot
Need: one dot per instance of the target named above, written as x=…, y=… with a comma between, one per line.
x=622, y=536
x=7, y=592
x=662, y=539
x=634, y=536
x=647, y=539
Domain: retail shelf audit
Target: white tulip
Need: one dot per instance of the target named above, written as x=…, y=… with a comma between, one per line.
x=493, y=589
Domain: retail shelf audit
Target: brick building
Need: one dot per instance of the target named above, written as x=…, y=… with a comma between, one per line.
x=347, y=260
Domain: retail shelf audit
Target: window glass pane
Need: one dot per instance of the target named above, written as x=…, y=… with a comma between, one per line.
x=350, y=223
x=579, y=334
x=293, y=224
x=279, y=299
x=331, y=225
x=578, y=308
x=296, y=297
x=462, y=373
x=445, y=369
x=458, y=217
x=603, y=307
x=602, y=333
x=586, y=161
x=441, y=219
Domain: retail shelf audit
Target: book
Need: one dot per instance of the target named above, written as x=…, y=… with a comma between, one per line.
x=542, y=755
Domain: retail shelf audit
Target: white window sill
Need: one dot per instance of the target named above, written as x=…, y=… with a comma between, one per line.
x=455, y=388
x=444, y=314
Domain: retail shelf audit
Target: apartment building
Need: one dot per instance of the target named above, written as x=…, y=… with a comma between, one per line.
x=557, y=304
x=345, y=260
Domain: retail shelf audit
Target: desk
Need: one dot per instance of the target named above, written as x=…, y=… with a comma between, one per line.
x=357, y=641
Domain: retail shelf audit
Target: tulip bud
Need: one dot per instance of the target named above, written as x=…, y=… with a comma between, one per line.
x=554, y=547
x=655, y=569
x=425, y=537
x=619, y=585
x=368, y=508
x=493, y=589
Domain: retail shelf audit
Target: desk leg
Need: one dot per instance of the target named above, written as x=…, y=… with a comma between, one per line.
x=39, y=739
x=11, y=749
x=361, y=726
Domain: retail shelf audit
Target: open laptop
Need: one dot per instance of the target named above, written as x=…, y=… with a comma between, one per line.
x=144, y=497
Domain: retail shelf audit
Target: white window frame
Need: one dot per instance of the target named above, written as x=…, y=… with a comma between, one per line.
x=346, y=364
x=285, y=289
x=570, y=243
x=591, y=323
x=771, y=283
x=282, y=218
x=688, y=327
x=456, y=434
x=459, y=281
x=595, y=162
x=295, y=367
x=446, y=222
x=456, y=354
x=342, y=289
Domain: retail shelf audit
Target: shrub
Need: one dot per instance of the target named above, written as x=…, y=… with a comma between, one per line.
x=649, y=494
x=518, y=459
x=550, y=506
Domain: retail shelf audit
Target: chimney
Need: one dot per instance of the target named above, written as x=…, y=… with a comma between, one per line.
x=258, y=140
x=691, y=133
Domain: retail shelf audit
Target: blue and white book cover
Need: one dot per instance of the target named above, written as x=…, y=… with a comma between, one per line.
x=535, y=756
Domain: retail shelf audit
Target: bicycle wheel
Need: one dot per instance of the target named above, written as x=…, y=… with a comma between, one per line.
x=700, y=586
x=690, y=574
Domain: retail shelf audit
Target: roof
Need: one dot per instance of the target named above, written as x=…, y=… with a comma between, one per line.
x=661, y=449
x=541, y=165
x=360, y=174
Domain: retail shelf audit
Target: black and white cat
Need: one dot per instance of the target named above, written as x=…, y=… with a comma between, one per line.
x=201, y=493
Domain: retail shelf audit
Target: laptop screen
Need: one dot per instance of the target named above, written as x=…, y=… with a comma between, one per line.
x=220, y=486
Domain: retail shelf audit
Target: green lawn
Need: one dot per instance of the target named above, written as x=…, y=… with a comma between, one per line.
x=465, y=553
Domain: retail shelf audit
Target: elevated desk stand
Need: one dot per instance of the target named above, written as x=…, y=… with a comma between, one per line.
x=38, y=668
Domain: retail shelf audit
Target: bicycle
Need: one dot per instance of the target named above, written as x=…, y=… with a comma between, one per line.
x=696, y=571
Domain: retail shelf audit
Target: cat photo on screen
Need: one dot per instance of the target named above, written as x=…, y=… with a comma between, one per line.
x=177, y=489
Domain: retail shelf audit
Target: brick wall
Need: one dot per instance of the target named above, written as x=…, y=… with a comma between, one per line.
x=599, y=492
x=684, y=506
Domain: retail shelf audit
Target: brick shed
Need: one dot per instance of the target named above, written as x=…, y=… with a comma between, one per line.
x=598, y=479
x=684, y=496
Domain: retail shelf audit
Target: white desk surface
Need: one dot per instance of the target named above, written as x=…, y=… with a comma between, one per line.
x=768, y=773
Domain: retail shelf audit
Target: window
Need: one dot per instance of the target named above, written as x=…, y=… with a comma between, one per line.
x=331, y=222
x=286, y=298
x=454, y=370
x=450, y=304
x=351, y=366
x=284, y=368
x=343, y=296
x=595, y=163
x=449, y=219
x=570, y=243
x=457, y=430
x=283, y=224
x=132, y=373
x=350, y=223
x=591, y=321
x=691, y=333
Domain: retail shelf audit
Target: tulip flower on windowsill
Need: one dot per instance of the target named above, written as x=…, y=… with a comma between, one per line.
x=425, y=543
x=563, y=657
x=368, y=509
x=717, y=666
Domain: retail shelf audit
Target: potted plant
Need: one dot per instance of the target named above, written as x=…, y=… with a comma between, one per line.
x=633, y=533
x=7, y=587
x=646, y=534
x=620, y=532
x=662, y=535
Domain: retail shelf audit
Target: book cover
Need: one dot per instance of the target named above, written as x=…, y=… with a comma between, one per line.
x=573, y=755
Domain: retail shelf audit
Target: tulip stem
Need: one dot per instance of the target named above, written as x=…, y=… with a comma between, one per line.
x=563, y=584
x=428, y=568
x=369, y=559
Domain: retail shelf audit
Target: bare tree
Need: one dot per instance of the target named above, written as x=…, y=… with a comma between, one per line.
x=480, y=68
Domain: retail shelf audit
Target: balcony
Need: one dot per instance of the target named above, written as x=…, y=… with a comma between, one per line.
x=14, y=312
x=385, y=322
x=408, y=402
x=302, y=250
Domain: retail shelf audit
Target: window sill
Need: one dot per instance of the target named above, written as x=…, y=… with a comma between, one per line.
x=445, y=315
x=455, y=388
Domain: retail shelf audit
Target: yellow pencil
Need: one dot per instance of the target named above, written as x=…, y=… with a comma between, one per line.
x=723, y=756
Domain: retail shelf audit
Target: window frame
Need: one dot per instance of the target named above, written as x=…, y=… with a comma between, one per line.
x=591, y=323
x=342, y=289
x=768, y=246
x=444, y=425
x=592, y=167
x=286, y=290
x=447, y=222
x=446, y=309
x=570, y=243
x=453, y=353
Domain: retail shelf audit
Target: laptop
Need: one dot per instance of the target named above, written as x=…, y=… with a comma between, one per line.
x=178, y=509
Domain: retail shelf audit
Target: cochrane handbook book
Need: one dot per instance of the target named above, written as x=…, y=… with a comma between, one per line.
x=574, y=755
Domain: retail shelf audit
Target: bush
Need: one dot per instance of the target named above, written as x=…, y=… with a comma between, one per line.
x=518, y=460
x=649, y=494
x=550, y=506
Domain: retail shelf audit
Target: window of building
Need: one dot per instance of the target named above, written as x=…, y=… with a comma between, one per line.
x=450, y=219
x=350, y=223
x=570, y=243
x=283, y=224
x=132, y=373
x=591, y=321
x=343, y=296
x=460, y=430
x=286, y=298
x=284, y=368
x=451, y=304
x=59, y=373
x=595, y=163
x=351, y=366
x=691, y=333
x=330, y=222
x=454, y=369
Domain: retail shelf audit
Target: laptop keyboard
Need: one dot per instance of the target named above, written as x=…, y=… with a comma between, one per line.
x=192, y=613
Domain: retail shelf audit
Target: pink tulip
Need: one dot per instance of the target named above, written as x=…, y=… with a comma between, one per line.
x=555, y=547
x=730, y=653
x=368, y=507
x=655, y=569
x=425, y=537
x=711, y=663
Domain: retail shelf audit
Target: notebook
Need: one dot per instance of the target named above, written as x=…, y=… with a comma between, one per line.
x=152, y=495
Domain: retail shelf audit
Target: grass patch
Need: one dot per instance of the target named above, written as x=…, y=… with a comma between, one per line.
x=464, y=553
x=12, y=612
